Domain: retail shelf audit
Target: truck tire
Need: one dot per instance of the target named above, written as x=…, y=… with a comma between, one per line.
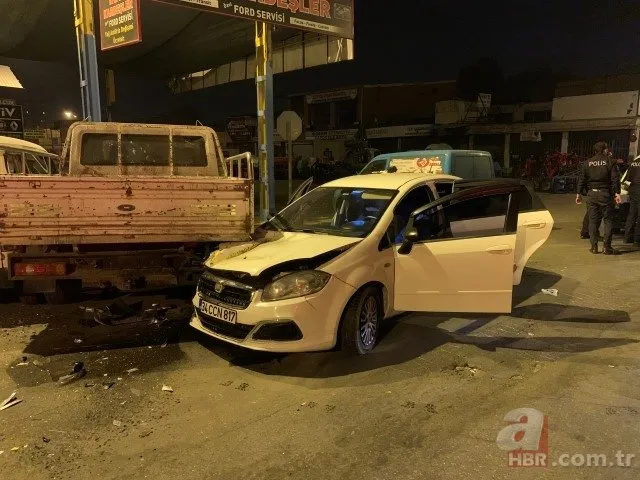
x=361, y=321
x=67, y=291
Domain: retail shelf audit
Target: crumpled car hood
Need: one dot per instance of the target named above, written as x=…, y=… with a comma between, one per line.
x=256, y=257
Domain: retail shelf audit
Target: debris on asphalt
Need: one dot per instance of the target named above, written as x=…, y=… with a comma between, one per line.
x=15, y=449
x=89, y=385
x=119, y=379
x=46, y=439
x=167, y=388
x=243, y=386
x=131, y=370
x=550, y=291
x=121, y=312
x=1, y=452
x=466, y=368
x=10, y=401
x=77, y=373
x=517, y=377
x=612, y=366
x=77, y=341
x=22, y=364
x=108, y=385
x=117, y=423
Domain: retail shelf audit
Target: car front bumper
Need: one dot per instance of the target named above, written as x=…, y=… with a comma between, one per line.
x=304, y=324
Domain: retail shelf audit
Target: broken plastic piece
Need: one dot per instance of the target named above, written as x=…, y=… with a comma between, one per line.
x=72, y=377
x=10, y=401
x=550, y=291
x=166, y=388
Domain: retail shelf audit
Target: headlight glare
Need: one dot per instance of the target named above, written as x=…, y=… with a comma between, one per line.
x=297, y=284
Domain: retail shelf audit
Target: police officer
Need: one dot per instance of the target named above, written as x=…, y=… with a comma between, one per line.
x=600, y=178
x=633, y=219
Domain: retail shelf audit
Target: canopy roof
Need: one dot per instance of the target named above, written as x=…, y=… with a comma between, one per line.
x=174, y=39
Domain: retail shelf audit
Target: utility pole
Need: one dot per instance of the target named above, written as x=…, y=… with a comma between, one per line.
x=87, y=60
x=264, y=90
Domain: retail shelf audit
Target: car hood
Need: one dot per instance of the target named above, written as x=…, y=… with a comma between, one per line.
x=255, y=258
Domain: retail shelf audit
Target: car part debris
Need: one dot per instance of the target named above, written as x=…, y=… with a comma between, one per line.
x=10, y=401
x=15, y=449
x=166, y=388
x=77, y=373
x=108, y=385
x=131, y=370
x=550, y=291
x=46, y=439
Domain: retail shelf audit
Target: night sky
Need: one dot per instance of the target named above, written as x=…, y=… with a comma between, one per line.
x=425, y=40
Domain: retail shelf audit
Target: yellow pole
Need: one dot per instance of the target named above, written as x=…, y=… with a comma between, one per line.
x=264, y=91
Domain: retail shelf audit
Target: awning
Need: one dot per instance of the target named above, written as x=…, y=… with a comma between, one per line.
x=175, y=39
x=8, y=79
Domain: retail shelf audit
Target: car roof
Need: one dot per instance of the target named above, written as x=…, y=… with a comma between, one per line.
x=422, y=153
x=19, y=144
x=387, y=181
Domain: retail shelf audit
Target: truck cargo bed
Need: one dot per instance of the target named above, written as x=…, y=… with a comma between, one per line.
x=97, y=210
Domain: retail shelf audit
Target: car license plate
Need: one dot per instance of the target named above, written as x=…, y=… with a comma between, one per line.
x=218, y=312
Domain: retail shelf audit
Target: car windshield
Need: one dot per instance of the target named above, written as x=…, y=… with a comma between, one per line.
x=347, y=212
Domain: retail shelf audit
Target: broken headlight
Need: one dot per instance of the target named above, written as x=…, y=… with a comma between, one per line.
x=297, y=284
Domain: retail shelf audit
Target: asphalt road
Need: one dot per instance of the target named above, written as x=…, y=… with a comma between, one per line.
x=427, y=404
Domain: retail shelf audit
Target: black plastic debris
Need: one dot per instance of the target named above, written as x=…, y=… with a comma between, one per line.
x=77, y=373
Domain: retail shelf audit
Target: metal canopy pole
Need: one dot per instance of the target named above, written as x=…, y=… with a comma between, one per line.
x=264, y=89
x=87, y=60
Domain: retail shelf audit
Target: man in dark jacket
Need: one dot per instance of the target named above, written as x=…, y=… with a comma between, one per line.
x=632, y=227
x=600, y=180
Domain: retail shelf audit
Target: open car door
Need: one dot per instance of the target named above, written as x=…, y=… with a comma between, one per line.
x=304, y=188
x=458, y=253
x=535, y=222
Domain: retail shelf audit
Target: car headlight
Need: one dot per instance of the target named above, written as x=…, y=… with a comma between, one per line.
x=297, y=284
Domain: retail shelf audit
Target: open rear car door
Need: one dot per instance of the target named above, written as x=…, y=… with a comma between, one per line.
x=459, y=252
x=535, y=222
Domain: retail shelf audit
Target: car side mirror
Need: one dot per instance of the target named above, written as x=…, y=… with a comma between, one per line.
x=410, y=238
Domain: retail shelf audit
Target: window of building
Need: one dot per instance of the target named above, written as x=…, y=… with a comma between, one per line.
x=99, y=149
x=222, y=74
x=293, y=53
x=145, y=150
x=238, y=70
x=346, y=113
x=340, y=49
x=278, y=60
x=320, y=115
x=315, y=50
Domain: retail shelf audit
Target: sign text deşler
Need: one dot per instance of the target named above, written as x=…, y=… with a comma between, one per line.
x=330, y=17
x=119, y=23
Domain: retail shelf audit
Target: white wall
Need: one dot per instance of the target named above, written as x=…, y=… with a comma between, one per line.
x=605, y=105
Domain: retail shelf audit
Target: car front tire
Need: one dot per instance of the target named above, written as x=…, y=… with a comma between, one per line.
x=361, y=321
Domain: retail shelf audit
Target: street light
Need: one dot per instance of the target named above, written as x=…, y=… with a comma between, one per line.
x=68, y=114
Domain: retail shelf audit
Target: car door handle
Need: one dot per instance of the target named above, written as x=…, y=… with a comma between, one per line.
x=536, y=225
x=500, y=250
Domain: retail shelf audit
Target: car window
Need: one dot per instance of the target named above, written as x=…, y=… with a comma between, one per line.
x=36, y=165
x=476, y=217
x=189, y=151
x=483, y=167
x=145, y=150
x=443, y=188
x=99, y=149
x=416, y=198
x=374, y=166
x=13, y=162
x=463, y=166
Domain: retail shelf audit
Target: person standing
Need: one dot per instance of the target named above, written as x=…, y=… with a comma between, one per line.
x=632, y=226
x=600, y=178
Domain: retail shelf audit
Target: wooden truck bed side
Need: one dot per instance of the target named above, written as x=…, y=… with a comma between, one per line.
x=90, y=210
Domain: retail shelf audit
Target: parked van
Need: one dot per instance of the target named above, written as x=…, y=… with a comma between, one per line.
x=467, y=164
x=19, y=157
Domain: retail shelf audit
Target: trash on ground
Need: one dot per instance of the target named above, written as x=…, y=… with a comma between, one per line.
x=10, y=401
x=117, y=423
x=77, y=373
x=166, y=388
x=89, y=385
x=467, y=368
x=46, y=439
x=612, y=366
x=131, y=370
x=22, y=364
x=550, y=291
x=15, y=449
x=108, y=385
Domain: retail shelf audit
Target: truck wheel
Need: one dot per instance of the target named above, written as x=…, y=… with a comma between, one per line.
x=361, y=321
x=67, y=291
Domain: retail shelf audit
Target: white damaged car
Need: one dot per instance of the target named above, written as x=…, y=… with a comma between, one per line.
x=336, y=262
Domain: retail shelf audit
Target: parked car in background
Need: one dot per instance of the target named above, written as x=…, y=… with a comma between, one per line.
x=19, y=157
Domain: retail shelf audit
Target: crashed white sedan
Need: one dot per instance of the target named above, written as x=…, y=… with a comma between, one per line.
x=333, y=264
